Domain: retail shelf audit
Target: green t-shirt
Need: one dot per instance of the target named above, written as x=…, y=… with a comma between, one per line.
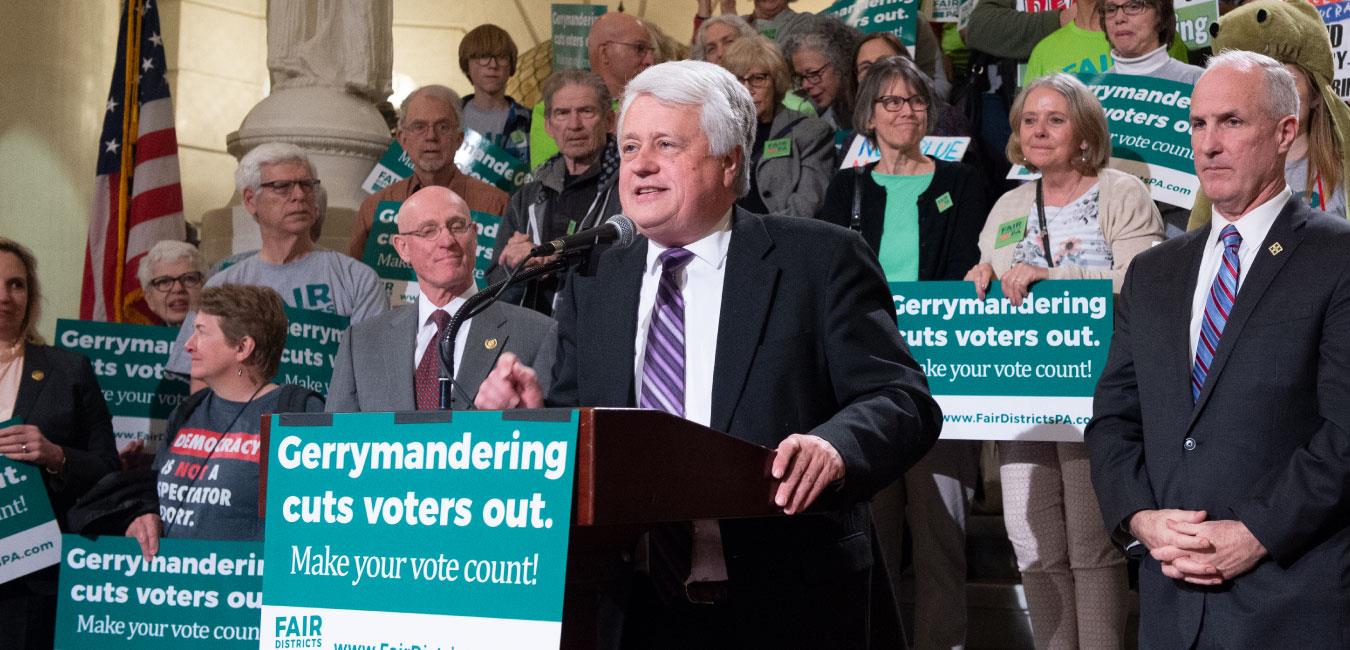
x=899, y=250
x=1075, y=50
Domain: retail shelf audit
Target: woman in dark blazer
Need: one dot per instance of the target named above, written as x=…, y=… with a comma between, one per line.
x=65, y=430
x=923, y=219
x=793, y=155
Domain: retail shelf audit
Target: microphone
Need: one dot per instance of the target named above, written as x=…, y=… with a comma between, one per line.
x=618, y=229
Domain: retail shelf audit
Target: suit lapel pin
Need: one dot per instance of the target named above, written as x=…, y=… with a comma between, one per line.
x=38, y=375
x=1275, y=248
x=490, y=344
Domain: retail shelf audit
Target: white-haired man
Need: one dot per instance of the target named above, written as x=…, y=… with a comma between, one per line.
x=277, y=184
x=430, y=130
x=1220, y=442
x=778, y=331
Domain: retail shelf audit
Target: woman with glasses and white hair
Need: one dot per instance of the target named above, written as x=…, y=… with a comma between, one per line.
x=922, y=217
x=792, y=157
x=171, y=276
x=1082, y=220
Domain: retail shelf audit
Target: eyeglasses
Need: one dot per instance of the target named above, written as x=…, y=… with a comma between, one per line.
x=810, y=76
x=441, y=129
x=756, y=80
x=189, y=280
x=639, y=47
x=489, y=59
x=308, y=186
x=431, y=231
x=1129, y=8
x=892, y=103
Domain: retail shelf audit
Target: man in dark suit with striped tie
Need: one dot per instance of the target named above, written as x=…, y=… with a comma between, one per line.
x=778, y=331
x=1220, y=441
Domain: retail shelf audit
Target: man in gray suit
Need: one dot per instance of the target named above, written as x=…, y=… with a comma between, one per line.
x=390, y=363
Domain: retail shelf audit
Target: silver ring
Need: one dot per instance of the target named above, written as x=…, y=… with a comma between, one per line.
x=25, y=447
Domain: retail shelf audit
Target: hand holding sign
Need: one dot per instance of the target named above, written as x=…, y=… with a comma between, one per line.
x=1018, y=280
x=26, y=443
x=981, y=275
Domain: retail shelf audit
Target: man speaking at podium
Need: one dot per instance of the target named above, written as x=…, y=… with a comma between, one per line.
x=775, y=330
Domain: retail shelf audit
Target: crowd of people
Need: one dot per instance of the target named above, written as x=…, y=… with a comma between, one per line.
x=762, y=122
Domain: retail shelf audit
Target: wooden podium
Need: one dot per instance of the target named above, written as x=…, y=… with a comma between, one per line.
x=635, y=468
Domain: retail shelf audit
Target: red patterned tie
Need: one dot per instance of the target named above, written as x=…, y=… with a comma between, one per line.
x=426, y=380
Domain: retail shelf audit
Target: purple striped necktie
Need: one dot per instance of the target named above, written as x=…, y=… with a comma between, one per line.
x=663, y=363
x=1218, y=306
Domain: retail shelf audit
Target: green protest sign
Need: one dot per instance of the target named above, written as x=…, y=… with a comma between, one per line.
x=489, y=163
x=899, y=17
x=1002, y=372
x=129, y=363
x=311, y=346
x=393, y=166
x=400, y=282
x=402, y=531
x=1149, y=121
x=29, y=537
x=1193, y=20
x=571, y=27
x=195, y=593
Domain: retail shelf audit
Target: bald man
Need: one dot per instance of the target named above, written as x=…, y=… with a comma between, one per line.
x=619, y=47
x=390, y=363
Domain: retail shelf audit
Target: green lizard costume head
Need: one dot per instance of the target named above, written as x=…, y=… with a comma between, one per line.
x=1289, y=32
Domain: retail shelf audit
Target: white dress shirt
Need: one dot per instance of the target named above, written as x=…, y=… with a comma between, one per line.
x=700, y=283
x=1253, y=226
x=426, y=331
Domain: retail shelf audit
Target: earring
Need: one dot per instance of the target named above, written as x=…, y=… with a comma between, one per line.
x=239, y=372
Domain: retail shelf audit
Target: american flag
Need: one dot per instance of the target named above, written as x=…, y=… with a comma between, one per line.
x=137, y=196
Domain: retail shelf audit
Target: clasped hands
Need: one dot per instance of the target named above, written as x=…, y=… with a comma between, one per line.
x=1195, y=550
x=804, y=464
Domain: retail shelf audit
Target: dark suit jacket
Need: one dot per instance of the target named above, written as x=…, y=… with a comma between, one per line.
x=374, y=368
x=807, y=343
x=1268, y=442
x=59, y=395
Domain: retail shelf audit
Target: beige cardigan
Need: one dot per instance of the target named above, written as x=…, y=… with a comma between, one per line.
x=1126, y=214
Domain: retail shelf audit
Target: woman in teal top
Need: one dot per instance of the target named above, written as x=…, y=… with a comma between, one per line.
x=923, y=218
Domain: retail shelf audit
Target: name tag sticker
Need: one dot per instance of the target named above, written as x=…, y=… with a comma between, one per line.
x=944, y=202
x=1011, y=232
x=777, y=148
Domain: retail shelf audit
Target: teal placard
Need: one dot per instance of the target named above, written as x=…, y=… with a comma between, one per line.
x=1054, y=345
x=193, y=594
x=129, y=363
x=571, y=27
x=487, y=162
x=23, y=499
x=899, y=17
x=379, y=252
x=1149, y=121
x=394, y=165
x=312, y=339
x=372, y=513
x=29, y=537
